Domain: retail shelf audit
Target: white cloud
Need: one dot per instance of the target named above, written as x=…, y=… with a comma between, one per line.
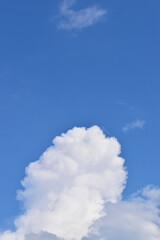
x=42, y=236
x=73, y=192
x=33, y=236
x=137, y=124
x=138, y=218
x=78, y=19
x=65, y=190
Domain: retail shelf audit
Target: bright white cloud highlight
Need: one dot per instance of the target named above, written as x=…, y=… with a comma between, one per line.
x=66, y=189
x=78, y=19
x=131, y=126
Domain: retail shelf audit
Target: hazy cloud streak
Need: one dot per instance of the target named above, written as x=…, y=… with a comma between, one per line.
x=131, y=126
x=78, y=19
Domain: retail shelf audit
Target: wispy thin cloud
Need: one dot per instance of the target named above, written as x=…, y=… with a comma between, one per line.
x=78, y=19
x=133, y=125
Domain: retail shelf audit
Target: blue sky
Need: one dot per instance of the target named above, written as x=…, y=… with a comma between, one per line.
x=54, y=77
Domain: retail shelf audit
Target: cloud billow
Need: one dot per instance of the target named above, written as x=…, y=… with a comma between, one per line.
x=74, y=192
x=136, y=218
x=65, y=190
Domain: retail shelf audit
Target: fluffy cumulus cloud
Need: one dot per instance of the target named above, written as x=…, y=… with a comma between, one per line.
x=65, y=190
x=138, y=218
x=78, y=19
x=74, y=190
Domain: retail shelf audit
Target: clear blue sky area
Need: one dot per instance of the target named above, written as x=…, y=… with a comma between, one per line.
x=51, y=80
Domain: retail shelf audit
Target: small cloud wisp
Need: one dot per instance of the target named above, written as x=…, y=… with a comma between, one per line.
x=133, y=125
x=78, y=19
